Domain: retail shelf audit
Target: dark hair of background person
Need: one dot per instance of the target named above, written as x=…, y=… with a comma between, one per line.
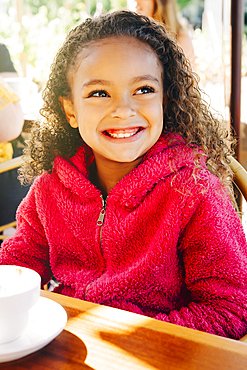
x=6, y=64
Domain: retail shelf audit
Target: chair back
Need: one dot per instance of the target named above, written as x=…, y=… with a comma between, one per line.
x=240, y=176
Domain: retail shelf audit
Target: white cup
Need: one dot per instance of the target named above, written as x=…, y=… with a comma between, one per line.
x=19, y=291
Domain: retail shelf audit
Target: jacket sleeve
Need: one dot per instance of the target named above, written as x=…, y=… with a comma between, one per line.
x=28, y=247
x=214, y=254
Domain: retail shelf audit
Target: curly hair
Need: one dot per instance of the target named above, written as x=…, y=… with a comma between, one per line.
x=185, y=112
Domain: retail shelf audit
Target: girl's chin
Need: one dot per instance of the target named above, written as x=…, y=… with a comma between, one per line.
x=124, y=159
x=121, y=158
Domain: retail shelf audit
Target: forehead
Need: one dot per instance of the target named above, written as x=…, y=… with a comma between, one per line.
x=116, y=51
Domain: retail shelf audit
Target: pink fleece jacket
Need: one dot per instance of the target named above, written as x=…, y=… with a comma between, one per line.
x=171, y=245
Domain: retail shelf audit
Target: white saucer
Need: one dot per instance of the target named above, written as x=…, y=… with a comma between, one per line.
x=47, y=319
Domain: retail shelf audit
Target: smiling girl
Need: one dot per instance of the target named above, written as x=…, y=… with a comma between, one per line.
x=123, y=211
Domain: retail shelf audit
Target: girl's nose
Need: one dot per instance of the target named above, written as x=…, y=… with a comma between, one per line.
x=123, y=111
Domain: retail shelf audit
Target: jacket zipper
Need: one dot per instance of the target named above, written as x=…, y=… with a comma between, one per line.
x=100, y=222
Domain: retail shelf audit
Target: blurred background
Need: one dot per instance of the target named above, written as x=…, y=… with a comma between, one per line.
x=33, y=30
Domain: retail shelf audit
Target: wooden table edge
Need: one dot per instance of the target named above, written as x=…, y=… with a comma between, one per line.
x=137, y=320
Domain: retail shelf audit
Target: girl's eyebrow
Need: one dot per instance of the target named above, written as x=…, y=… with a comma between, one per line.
x=96, y=82
x=109, y=83
x=146, y=77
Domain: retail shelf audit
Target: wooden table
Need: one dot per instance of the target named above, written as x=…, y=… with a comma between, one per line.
x=103, y=338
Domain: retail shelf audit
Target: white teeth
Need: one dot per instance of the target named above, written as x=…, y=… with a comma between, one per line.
x=122, y=135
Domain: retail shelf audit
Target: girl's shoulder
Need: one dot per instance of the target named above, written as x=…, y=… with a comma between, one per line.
x=42, y=182
x=198, y=183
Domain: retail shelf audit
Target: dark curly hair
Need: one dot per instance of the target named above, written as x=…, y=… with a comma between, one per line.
x=185, y=112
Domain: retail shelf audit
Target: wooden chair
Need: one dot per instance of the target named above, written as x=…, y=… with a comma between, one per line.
x=11, y=193
x=240, y=176
x=11, y=164
x=239, y=183
x=240, y=180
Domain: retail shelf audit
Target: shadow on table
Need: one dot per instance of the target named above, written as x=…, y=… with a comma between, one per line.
x=147, y=346
x=66, y=351
x=165, y=351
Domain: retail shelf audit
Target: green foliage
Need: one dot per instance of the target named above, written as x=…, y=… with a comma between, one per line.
x=45, y=24
x=106, y=5
x=118, y=4
x=33, y=43
x=183, y=3
x=52, y=6
x=74, y=6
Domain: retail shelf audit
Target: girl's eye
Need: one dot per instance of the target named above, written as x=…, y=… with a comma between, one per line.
x=145, y=90
x=98, y=94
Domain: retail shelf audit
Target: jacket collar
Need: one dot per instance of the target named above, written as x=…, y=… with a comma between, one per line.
x=165, y=158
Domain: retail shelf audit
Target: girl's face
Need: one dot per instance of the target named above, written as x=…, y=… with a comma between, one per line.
x=145, y=7
x=117, y=98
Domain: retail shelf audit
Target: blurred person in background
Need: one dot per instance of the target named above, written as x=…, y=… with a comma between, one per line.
x=166, y=12
x=11, y=120
x=7, y=68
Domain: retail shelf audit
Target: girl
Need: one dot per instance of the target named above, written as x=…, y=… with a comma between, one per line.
x=123, y=211
x=166, y=12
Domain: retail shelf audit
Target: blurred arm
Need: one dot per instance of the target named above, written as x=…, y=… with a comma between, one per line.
x=11, y=115
x=11, y=121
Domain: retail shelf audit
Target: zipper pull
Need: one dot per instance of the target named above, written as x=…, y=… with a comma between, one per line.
x=102, y=213
x=101, y=218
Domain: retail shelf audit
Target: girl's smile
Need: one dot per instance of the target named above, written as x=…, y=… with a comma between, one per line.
x=122, y=133
x=117, y=99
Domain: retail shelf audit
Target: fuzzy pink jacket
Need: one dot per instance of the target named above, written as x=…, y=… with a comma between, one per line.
x=171, y=245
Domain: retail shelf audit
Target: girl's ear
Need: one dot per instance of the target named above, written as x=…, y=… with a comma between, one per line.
x=69, y=111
